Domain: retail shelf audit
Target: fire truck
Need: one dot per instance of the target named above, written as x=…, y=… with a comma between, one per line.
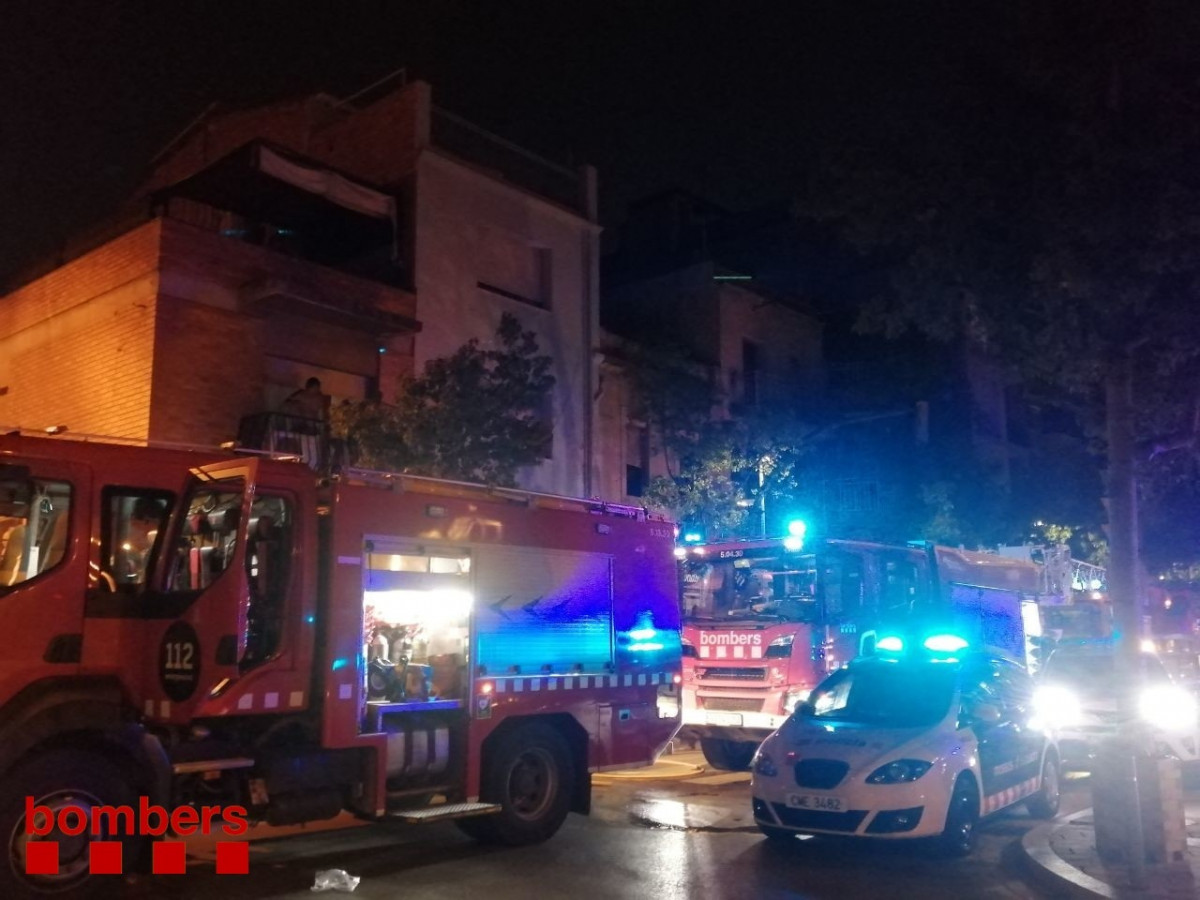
x=766, y=620
x=210, y=628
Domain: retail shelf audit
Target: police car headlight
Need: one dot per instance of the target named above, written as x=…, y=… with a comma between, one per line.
x=1055, y=706
x=899, y=771
x=763, y=764
x=1168, y=707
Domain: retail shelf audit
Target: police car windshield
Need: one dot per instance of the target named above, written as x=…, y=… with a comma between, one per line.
x=890, y=695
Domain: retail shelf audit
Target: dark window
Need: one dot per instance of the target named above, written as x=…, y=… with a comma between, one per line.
x=134, y=519
x=268, y=552
x=750, y=372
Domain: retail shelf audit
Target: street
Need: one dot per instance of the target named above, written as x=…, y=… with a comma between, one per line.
x=686, y=834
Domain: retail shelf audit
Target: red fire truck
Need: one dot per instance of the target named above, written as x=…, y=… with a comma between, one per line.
x=766, y=620
x=225, y=630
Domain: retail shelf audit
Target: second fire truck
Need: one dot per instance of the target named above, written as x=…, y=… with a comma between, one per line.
x=766, y=620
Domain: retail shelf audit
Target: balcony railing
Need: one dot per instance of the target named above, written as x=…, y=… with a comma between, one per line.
x=282, y=434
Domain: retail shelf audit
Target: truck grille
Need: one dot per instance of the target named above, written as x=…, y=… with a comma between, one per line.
x=732, y=704
x=732, y=673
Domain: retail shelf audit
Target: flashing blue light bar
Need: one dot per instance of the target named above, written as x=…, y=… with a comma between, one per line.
x=944, y=643
x=692, y=537
x=891, y=643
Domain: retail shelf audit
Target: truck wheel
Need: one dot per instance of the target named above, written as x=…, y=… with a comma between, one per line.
x=529, y=772
x=734, y=756
x=1044, y=804
x=61, y=780
x=962, y=815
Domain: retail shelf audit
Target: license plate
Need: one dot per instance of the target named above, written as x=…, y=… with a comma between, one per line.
x=815, y=802
x=722, y=718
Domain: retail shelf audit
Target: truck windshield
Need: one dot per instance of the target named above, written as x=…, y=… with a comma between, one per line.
x=884, y=694
x=781, y=587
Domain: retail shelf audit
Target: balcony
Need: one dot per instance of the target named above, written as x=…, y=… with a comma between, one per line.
x=280, y=434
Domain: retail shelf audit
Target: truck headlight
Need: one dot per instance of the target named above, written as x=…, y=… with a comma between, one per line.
x=899, y=771
x=1168, y=707
x=1055, y=706
x=781, y=647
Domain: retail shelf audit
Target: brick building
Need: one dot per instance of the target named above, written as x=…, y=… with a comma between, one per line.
x=351, y=240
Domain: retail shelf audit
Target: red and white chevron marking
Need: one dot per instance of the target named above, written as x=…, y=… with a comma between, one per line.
x=1009, y=796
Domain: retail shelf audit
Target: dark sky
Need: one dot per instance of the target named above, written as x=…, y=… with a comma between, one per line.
x=724, y=98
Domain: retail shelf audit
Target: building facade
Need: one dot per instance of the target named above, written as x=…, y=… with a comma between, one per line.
x=349, y=240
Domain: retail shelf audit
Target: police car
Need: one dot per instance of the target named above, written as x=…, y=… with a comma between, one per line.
x=903, y=745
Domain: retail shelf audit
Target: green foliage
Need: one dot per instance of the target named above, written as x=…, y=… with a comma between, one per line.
x=476, y=415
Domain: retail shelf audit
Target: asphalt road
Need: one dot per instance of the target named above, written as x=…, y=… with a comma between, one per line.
x=664, y=839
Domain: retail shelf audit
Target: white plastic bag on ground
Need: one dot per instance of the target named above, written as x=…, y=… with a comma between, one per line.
x=335, y=880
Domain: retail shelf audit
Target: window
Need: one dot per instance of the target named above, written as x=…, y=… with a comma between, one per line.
x=637, y=460
x=208, y=538
x=510, y=267
x=34, y=523
x=750, y=372
x=129, y=536
x=268, y=552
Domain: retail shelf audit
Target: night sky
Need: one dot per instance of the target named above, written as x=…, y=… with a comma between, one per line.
x=727, y=99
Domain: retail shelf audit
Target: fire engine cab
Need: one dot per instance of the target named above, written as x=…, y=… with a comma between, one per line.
x=204, y=628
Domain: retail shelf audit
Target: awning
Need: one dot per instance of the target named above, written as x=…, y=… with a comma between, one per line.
x=268, y=184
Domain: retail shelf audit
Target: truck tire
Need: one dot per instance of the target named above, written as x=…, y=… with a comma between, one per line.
x=530, y=773
x=58, y=780
x=734, y=756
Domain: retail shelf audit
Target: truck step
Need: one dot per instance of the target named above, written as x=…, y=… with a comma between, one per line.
x=445, y=811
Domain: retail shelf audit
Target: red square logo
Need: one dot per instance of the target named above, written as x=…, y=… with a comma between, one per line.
x=170, y=858
x=41, y=857
x=104, y=858
x=233, y=858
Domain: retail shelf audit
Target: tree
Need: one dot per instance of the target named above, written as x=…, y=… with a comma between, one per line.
x=476, y=415
x=1040, y=205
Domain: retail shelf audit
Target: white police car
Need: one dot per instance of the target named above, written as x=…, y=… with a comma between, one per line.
x=901, y=746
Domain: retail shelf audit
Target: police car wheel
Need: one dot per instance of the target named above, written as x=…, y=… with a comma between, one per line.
x=1044, y=804
x=962, y=815
x=63, y=781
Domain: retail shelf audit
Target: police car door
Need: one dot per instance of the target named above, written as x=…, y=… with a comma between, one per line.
x=999, y=742
x=1015, y=688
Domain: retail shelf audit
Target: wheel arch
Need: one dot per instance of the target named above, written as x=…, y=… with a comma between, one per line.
x=93, y=716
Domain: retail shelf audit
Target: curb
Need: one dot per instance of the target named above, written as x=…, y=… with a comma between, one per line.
x=1055, y=873
x=651, y=773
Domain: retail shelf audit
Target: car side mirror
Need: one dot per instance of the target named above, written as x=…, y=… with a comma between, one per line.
x=984, y=713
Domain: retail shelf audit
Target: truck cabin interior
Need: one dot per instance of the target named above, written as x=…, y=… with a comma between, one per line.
x=34, y=524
